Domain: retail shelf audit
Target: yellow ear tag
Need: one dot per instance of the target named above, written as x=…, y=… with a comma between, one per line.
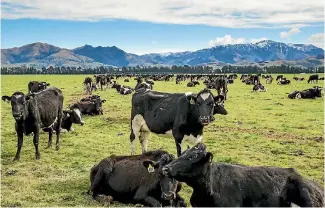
x=192, y=101
x=151, y=169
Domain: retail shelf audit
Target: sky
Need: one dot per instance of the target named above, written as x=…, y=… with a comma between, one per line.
x=148, y=26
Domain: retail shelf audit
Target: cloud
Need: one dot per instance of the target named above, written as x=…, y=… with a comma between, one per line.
x=224, y=13
x=292, y=31
x=317, y=39
x=227, y=39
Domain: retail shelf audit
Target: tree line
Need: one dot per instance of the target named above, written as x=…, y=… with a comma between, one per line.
x=163, y=70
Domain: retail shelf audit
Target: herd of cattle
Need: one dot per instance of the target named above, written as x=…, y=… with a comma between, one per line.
x=156, y=176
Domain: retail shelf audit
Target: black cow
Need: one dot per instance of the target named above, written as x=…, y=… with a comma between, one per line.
x=311, y=93
x=227, y=185
x=193, y=84
x=126, y=80
x=181, y=114
x=88, y=84
x=298, y=78
x=36, y=86
x=33, y=112
x=279, y=77
x=313, y=78
x=93, y=107
x=130, y=179
x=259, y=88
x=230, y=81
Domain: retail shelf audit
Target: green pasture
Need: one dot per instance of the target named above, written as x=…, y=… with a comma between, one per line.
x=263, y=128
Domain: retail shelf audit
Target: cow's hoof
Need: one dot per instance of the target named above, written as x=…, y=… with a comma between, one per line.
x=16, y=159
x=37, y=157
x=57, y=148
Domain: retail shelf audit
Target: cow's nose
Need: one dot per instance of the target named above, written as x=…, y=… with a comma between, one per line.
x=82, y=123
x=16, y=115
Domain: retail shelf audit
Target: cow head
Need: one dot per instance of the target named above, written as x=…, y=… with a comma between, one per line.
x=43, y=85
x=19, y=104
x=190, y=164
x=207, y=105
x=98, y=105
x=168, y=185
x=74, y=115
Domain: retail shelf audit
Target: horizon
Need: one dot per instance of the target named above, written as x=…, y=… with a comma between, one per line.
x=158, y=27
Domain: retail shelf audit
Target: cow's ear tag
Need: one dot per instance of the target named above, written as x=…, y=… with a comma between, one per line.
x=151, y=169
x=192, y=101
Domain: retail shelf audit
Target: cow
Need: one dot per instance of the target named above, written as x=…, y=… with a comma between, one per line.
x=311, y=93
x=126, y=80
x=136, y=179
x=182, y=115
x=230, y=81
x=88, y=83
x=93, y=107
x=269, y=79
x=298, y=78
x=227, y=185
x=259, y=88
x=142, y=84
x=125, y=90
x=221, y=83
x=102, y=80
x=36, y=111
x=90, y=98
x=36, y=86
x=313, y=78
x=283, y=81
x=192, y=84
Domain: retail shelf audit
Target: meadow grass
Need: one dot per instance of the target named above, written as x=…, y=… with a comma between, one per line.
x=261, y=129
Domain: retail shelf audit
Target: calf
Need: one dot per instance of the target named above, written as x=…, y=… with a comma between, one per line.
x=182, y=115
x=306, y=94
x=313, y=78
x=227, y=185
x=130, y=179
x=93, y=107
x=33, y=112
x=36, y=86
x=259, y=88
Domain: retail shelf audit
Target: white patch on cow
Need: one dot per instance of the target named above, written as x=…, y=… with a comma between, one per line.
x=139, y=127
x=169, y=132
x=298, y=95
x=18, y=96
x=63, y=131
x=205, y=96
x=78, y=113
x=192, y=139
x=188, y=93
x=55, y=120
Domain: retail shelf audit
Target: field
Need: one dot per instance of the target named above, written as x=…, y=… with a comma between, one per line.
x=261, y=129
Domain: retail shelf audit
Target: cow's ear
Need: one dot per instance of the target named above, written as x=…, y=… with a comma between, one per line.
x=191, y=98
x=6, y=98
x=103, y=101
x=47, y=84
x=150, y=165
x=209, y=157
x=219, y=99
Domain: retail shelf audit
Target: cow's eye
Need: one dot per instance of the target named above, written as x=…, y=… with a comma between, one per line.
x=198, y=104
x=211, y=104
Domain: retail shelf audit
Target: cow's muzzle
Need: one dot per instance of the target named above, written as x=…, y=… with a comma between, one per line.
x=205, y=120
x=168, y=196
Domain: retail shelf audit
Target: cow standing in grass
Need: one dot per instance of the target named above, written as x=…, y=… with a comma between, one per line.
x=182, y=115
x=88, y=83
x=227, y=185
x=33, y=112
x=313, y=78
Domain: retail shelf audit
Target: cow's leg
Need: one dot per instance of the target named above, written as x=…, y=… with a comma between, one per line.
x=20, y=144
x=178, y=141
x=35, y=141
x=136, y=125
x=142, y=197
x=132, y=140
x=144, y=137
x=58, y=131
x=49, y=143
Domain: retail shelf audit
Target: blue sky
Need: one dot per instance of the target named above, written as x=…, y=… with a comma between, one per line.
x=161, y=29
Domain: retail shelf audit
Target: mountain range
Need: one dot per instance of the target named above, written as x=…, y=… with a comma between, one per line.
x=43, y=54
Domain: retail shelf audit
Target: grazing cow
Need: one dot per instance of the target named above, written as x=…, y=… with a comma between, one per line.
x=33, y=112
x=279, y=77
x=36, y=86
x=142, y=84
x=93, y=107
x=259, y=88
x=313, y=78
x=221, y=83
x=311, y=93
x=227, y=185
x=130, y=179
x=88, y=83
x=192, y=84
x=182, y=115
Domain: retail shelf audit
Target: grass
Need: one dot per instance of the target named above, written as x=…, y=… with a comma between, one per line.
x=261, y=129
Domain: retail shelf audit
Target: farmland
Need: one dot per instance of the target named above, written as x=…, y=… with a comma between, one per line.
x=263, y=128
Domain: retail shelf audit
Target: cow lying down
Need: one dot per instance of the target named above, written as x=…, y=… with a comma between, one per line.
x=135, y=179
x=259, y=88
x=311, y=93
x=222, y=184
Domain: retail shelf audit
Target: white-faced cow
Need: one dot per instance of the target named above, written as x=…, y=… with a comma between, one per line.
x=228, y=185
x=32, y=112
x=135, y=179
x=182, y=115
x=36, y=86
